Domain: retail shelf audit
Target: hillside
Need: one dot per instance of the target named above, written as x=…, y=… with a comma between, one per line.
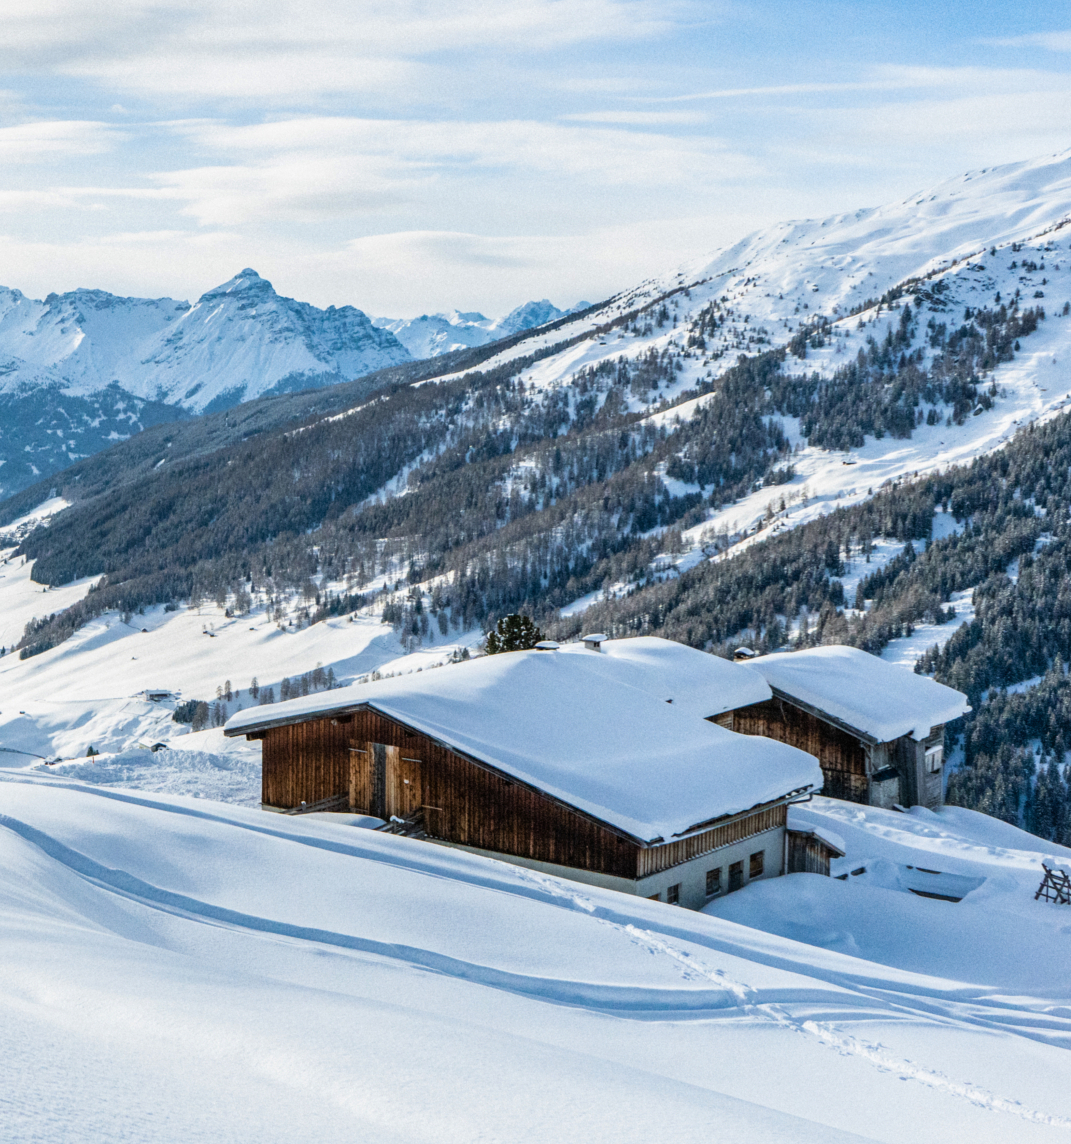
x=740, y=456
x=84, y=370
x=475, y=1000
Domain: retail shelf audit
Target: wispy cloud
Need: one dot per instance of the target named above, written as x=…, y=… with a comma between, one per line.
x=310, y=168
x=640, y=118
x=38, y=140
x=1050, y=41
x=205, y=48
x=455, y=153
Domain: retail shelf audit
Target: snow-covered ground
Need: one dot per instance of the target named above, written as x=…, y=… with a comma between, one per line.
x=89, y=690
x=177, y=970
x=982, y=940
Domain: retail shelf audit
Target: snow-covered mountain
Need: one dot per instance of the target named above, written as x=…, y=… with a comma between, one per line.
x=87, y=368
x=81, y=340
x=242, y=340
x=431, y=335
x=998, y=234
x=84, y=369
x=236, y=342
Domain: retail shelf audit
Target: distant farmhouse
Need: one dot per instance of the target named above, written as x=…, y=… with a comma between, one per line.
x=876, y=729
x=601, y=762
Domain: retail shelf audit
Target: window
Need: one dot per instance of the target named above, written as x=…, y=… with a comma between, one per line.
x=673, y=894
x=736, y=876
x=713, y=882
x=756, y=864
x=655, y=897
x=935, y=757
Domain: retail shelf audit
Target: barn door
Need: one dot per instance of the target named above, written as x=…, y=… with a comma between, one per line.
x=362, y=778
x=404, y=784
x=384, y=783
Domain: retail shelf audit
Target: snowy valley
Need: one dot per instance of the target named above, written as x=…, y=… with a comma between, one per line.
x=853, y=430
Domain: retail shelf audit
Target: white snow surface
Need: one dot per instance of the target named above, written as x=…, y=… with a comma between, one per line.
x=693, y=681
x=574, y=726
x=800, y=820
x=997, y=936
x=232, y=777
x=177, y=971
x=878, y=698
x=23, y=600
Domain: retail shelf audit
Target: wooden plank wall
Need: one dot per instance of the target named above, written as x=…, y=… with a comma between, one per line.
x=305, y=762
x=842, y=756
x=657, y=858
x=807, y=854
x=467, y=804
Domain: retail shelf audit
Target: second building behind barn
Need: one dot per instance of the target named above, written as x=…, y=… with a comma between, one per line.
x=877, y=730
x=597, y=764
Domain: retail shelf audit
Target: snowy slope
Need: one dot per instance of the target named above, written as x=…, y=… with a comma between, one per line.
x=177, y=970
x=988, y=235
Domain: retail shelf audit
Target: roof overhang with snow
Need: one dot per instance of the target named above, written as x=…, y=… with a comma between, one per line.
x=572, y=725
x=877, y=701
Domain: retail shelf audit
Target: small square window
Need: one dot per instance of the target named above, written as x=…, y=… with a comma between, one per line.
x=713, y=882
x=673, y=894
x=756, y=864
x=935, y=758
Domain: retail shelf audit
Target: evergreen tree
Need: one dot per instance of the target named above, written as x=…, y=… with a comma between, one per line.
x=513, y=633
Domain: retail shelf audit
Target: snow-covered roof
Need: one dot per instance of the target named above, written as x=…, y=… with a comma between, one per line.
x=805, y=825
x=571, y=725
x=876, y=698
x=693, y=681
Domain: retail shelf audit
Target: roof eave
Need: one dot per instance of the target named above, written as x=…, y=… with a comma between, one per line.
x=800, y=794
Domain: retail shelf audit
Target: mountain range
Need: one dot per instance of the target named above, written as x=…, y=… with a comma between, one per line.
x=431, y=335
x=84, y=369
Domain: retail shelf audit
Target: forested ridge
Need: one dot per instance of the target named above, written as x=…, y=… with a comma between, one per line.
x=1014, y=551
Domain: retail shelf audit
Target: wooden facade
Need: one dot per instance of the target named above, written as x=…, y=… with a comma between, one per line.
x=854, y=767
x=809, y=854
x=656, y=858
x=842, y=756
x=388, y=769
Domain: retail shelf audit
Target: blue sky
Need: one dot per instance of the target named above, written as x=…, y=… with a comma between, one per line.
x=409, y=156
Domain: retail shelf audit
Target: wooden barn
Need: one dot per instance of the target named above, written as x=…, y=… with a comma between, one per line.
x=572, y=761
x=876, y=729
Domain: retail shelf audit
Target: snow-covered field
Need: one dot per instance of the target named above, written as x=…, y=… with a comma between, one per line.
x=178, y=970
x=89, y=690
